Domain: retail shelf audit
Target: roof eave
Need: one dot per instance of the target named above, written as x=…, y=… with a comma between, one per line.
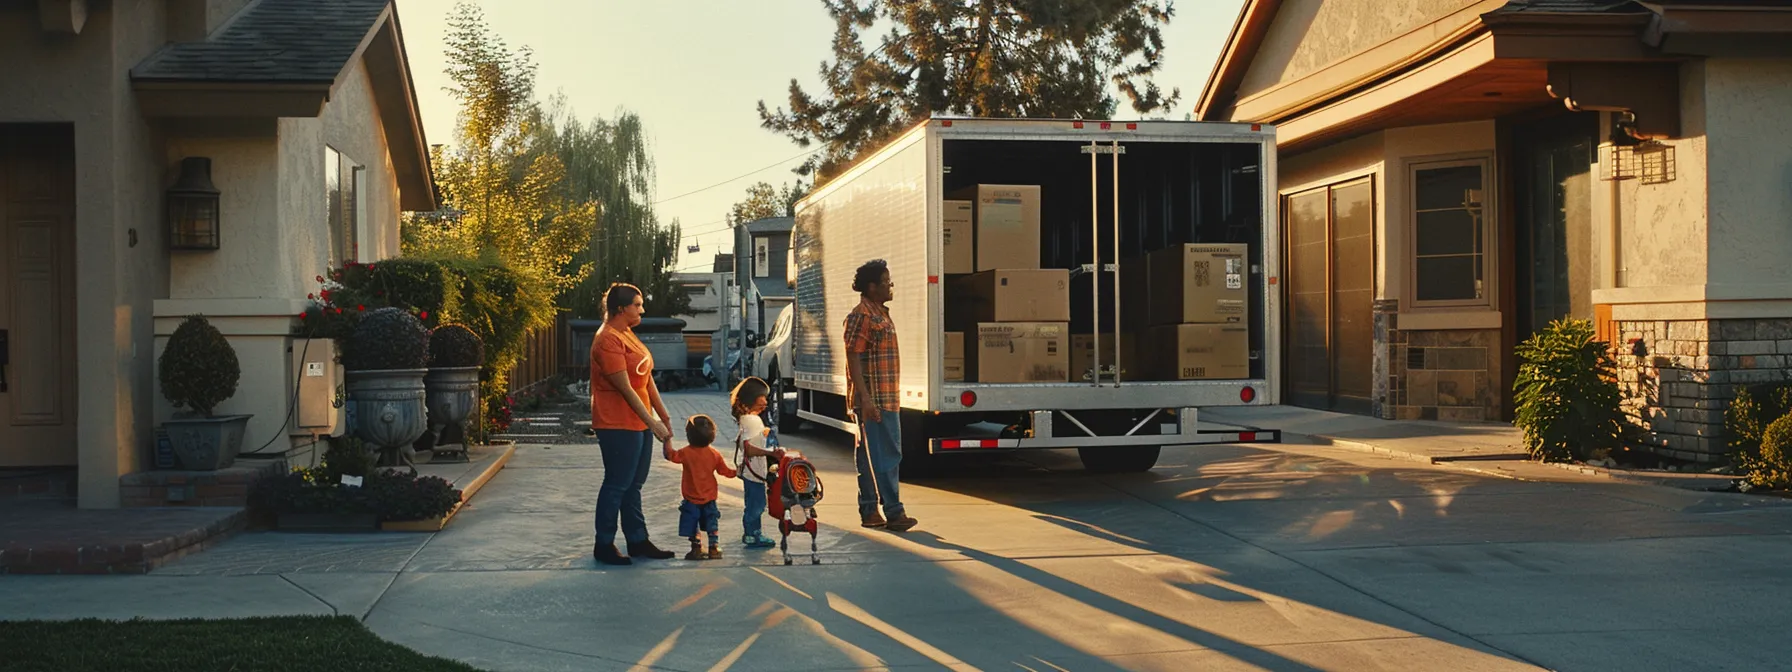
x=1247, y=34
x=395, y=94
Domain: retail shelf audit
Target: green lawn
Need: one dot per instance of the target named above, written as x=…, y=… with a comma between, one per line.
x=274, y=644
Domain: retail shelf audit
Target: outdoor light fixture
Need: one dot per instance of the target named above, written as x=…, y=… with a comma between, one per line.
x=193, y=207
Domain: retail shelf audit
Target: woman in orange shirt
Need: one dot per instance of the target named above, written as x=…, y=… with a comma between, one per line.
x=628, y=416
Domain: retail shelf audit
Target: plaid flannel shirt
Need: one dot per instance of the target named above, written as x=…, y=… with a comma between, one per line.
x=871, y=338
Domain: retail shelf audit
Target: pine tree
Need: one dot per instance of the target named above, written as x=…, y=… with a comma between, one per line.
x=983, y=58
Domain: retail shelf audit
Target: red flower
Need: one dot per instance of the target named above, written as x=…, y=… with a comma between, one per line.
x=338, y=311
x=312, y=297
x=320, y=278
x=326, y=295
x=425, y=315
x=370, y=267
x=301, y=316
x=361, y=308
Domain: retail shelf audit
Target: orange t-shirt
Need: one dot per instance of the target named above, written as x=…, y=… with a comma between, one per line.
x=700, y=468
x=615, y=350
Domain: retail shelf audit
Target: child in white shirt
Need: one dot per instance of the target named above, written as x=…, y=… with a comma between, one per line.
x=746, y=403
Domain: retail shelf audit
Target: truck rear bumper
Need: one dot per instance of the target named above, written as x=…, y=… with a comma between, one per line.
x=1165, y=427
x=1143, y=394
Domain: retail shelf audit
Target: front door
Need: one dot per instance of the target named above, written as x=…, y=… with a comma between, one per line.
x=37, y=295
x=1554, y=196
x=1331, y=291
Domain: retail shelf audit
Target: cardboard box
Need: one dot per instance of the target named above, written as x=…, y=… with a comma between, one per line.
x=952, y=370
x=1200, y=352
x=954, y=345
x=1022, y=352
x=1199, y=283
x=1135, y=295
x=958, y=238
x=1006, y=218
x=1082, y=354
x=1008, y=296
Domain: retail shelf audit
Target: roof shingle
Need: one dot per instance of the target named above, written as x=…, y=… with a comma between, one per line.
x=273, y=41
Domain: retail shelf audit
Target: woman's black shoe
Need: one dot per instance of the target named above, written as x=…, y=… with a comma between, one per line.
x=646, y=549
x=607, y=554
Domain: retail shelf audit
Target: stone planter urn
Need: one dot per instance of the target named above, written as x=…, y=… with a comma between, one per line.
x=206, y=444
x=389, y=409
x=385, y=361
x=452, y=394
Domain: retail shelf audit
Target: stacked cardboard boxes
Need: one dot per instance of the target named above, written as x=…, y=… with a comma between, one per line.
x=995, y=288
x=953, y=362
x=1196, y=319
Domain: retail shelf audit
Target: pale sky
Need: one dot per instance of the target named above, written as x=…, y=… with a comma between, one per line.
x=694, y=70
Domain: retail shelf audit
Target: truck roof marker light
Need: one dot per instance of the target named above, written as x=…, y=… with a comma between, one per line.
x=967, y=399
x=933, y=279
x=1254, y=127
x=947, y=123
x=1248, y=394
x=1076, y=124
x=1106, y=125
x=1132, y=127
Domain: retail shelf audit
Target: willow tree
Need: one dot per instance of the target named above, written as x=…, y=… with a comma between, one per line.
x=609, y=162
x=984, y=58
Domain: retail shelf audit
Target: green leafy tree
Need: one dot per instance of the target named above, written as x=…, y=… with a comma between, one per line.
x=503, y=198
x=989, y=58
x=763, y=200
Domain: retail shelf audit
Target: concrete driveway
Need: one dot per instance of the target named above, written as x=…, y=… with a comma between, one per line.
x=1226, y=557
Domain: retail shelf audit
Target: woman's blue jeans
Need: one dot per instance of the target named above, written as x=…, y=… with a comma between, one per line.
x=628, y=456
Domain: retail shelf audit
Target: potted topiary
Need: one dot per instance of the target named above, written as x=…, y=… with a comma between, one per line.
x=455, y=355
x=385, y=360
x=199, y=370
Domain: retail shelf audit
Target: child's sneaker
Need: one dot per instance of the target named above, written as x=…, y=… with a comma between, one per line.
x=757, y=541
x=715, y=552
x=695, y=554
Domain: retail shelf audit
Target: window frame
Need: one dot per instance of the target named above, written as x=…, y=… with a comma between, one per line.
x=345, y=201
x=1490, y=252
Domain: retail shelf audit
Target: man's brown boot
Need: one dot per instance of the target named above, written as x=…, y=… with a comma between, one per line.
x=873, y=520
x=902, y=523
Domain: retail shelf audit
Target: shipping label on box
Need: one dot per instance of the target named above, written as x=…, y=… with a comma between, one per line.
x=1026, y=352
x=1008, y=296
x=1007, y=224
x=1199, y=283
x=957, y=238
x=1201, y=351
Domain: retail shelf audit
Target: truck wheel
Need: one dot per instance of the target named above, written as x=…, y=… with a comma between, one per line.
x=1119, y=459
x=787, y=421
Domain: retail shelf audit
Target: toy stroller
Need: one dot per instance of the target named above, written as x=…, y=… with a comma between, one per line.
x=794, y=489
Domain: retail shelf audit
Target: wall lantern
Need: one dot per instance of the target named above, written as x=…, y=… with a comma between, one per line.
x=193, y=211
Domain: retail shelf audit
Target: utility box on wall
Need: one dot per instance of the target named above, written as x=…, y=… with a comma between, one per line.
x=316, y=375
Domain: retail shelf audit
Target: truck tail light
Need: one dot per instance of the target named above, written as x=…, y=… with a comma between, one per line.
x=967, y=399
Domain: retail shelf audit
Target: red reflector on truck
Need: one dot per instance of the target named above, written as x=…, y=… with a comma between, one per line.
x=968, y=399
x=1248, y=394
x=1247, y=437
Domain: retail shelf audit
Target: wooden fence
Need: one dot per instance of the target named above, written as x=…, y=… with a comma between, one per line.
x=543, y=358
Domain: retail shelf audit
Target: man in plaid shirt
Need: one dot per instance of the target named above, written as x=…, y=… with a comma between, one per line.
x=873, y=375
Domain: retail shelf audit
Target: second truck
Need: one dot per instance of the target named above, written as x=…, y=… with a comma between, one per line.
x=1059, y=284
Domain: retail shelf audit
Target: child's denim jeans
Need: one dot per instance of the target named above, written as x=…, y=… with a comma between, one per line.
x=755, y=493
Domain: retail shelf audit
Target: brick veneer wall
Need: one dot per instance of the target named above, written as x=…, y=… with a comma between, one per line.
x=1690, y=370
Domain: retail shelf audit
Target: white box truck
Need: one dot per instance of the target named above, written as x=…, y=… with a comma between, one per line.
x=1108, y=195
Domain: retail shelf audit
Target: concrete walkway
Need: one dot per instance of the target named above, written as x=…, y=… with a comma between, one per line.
x=1485, y=447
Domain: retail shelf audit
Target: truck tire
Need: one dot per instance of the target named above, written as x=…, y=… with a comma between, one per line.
x=788, y=421
x=1119, y=459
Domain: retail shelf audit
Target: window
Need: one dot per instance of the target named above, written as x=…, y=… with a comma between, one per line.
x=1451, y=239
x=344, y=182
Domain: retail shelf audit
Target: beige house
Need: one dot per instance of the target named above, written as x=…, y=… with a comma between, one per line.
x=1455, y=174
x=306, y=112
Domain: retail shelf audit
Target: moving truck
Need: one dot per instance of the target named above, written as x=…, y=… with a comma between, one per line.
x=1058, y=284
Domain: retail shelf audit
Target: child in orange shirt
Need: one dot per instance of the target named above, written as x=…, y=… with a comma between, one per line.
x=701, y=464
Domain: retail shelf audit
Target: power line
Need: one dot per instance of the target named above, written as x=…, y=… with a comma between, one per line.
x=756, y=172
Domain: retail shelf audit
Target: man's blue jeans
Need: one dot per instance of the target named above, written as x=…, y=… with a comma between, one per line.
x=755, y=508
x=628, y=456
x=878, y=456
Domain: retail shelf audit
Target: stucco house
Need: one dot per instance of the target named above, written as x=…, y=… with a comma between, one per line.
x=306, y=112
x=1455, y=174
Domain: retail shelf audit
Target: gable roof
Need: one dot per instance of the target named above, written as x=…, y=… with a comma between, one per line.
x=286, y=41
x=284, y=58
x=772, y=225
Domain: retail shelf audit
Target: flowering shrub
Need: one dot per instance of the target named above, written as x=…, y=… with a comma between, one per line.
x=389, y=496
